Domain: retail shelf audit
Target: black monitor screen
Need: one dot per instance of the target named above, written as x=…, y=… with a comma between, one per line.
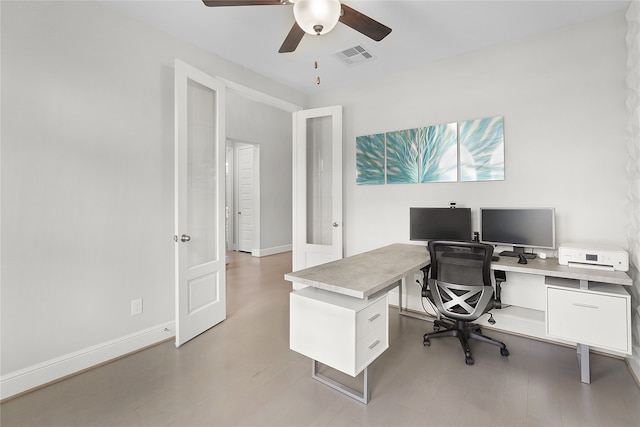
x=533, y=228
x=439, y=224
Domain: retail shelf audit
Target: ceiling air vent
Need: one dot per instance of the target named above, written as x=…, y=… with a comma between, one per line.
x=354, y=55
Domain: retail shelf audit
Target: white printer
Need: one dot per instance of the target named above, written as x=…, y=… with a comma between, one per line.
x=593, y=256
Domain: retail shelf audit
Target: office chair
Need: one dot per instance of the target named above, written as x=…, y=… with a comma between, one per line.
x=460, y=288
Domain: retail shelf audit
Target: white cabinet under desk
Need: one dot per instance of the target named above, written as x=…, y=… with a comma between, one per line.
x=342, y=332
x=589, y=314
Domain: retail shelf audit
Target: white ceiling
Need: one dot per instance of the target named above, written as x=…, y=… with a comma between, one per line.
x=423, y=31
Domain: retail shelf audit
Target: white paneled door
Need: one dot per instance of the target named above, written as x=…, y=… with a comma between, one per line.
x=317, y=187
x=246, y=193
x=199, y=202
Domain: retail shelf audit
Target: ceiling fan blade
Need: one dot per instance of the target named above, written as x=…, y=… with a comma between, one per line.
x=292, y=40
x=216, y=3
x=362, y=23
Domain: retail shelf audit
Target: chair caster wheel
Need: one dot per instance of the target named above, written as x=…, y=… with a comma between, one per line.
x=504, y=352
x=426, y=342
x=468, y=360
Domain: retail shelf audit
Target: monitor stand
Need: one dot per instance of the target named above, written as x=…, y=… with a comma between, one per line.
x=516, y=252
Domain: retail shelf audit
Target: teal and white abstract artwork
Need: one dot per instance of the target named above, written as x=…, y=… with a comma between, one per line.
x=482, y=149
x=370, y=159
x=438, y=153
x=402, y=156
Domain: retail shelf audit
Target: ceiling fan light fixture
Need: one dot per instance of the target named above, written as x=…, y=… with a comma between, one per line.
x=317, y=16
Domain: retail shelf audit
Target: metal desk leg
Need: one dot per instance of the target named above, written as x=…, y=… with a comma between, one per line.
x=583, y=362
x=360, y=397
x=583, y=350
x=404, y=312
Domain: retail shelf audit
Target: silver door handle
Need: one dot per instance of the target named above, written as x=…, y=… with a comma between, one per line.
x=185, y=238
x=335, y=225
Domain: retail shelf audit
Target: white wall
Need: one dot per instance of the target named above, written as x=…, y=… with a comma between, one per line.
x=562, y=95
x=87, y=180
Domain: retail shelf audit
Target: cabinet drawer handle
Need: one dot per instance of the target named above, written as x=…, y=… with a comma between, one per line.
x=374, y=317
x=373, y=344
x=577, y=304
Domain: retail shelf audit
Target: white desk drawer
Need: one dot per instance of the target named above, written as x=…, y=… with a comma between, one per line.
x=370, y=347
x=591, y=318
x=371, y=318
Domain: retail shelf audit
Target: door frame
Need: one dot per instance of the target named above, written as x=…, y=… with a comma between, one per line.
x=262, y=98
x=229, y=197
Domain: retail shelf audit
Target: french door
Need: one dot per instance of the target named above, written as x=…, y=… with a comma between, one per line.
x=200, y=281
x=317, y=187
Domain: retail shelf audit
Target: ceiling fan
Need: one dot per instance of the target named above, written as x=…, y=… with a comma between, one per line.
x=315, y=17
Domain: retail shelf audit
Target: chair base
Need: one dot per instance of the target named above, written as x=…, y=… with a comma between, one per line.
x=464, y=331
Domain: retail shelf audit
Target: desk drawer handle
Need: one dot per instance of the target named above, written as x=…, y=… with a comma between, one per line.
x=373, y=344
x=374, y=317
x=577, y=304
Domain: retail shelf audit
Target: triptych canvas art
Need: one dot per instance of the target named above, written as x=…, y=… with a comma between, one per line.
x=472, y=150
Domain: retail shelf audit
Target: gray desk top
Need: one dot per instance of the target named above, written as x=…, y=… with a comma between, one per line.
x=365, y=274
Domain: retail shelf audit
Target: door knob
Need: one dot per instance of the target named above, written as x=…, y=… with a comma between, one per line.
x=335, y=225
x=185, y=238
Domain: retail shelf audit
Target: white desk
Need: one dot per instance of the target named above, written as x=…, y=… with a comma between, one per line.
x=334, y=323
x=369, y=276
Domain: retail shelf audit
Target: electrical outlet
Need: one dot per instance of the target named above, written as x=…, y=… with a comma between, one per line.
x=136, y=306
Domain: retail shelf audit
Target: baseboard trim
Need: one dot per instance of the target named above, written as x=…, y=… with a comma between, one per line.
x=18, y=382
x=271, y=251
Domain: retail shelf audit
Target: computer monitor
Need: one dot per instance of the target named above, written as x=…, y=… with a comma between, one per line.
x=439, y=224
x=518, y=227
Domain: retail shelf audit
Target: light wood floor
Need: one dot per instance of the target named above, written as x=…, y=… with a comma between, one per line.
x=242, y=373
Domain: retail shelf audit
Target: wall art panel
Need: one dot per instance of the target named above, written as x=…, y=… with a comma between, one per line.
x=482, y=149
x=402, y=156
x=370, y=151
x=438, y=153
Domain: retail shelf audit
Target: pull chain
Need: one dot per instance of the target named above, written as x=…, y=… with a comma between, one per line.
x=315, y=63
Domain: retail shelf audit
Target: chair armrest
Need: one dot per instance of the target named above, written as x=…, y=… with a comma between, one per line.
x=500, y=277
x=425, y=281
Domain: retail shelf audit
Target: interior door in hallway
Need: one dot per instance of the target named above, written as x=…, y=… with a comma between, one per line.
x=245, y=155
x=200, y=281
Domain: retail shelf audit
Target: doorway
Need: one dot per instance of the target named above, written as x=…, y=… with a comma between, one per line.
x=264, y=123
x=243, y=196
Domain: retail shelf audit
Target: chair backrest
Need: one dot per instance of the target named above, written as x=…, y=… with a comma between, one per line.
x=460, y=284
x=464, y=263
